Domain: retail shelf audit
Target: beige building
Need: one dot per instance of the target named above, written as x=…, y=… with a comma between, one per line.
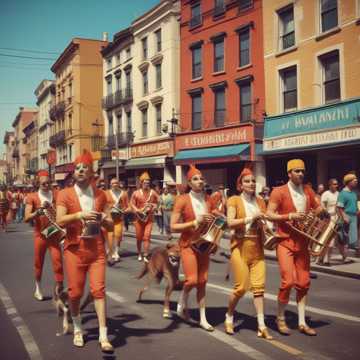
x=9, y=142
x=312, y=67
x=77, y=112
x=45, y=94
x=31, y=145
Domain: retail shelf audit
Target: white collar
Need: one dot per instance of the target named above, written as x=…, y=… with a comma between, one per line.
x=81, y=192
x=298, y=188
x=248, y=197
x=197, y=195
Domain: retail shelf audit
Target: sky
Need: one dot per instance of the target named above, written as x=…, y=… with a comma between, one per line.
x=43, y=29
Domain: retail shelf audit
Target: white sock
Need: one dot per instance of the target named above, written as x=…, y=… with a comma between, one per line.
x=203, y=320
x=301, y=311
x=281, y=310
x=103, y=333
x=182, y=303
x=77, y=323
x=261, y=321
x=37, y=286
x=229, y=318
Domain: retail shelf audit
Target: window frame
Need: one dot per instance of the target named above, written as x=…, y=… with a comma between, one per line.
x=321, y=12
x=324, y=82
x=282, y=35
x=193, y=113
x=158, y=119
x=245, y=30
x=144, y=123
x=197, y=19
x=243, y=106
x=193, y=64
x=145, y=49
x=284, y=92
x=216, y=58
x=216, y=109
x=145, y=81
x=158, y=75
x=158, y=37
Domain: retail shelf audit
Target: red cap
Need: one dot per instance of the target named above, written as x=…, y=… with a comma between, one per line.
x=85, y=158
x=192, y=171
x=43, y=173
x=245, y=172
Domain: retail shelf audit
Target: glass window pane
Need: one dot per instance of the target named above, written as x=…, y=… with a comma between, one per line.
x=245, y=102
x=195, y=11
x=196, y=112
x=244, y=38
x=196, y=63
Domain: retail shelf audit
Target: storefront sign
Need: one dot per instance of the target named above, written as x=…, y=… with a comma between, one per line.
x=326, y=117
x=65, y=168
x=122, y=154
x=153, y=149
x=215, y=137
x=351, y=133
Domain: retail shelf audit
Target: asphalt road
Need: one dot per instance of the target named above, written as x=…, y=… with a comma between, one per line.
x=137, y=330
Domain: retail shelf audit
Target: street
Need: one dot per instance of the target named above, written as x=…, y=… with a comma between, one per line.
x=30, y=329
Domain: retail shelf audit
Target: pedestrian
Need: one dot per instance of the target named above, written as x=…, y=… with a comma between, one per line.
x=265, y=194
x=348, y=208
x=192, y=211
x=167, y=200
x=84, y=250
x=291, y=202
x=247, y=253
x=158, y=214
x=5, y=199
x=319, y=191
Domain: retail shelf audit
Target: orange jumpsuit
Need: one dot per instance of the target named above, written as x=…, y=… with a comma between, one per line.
x=292, y=252
x=143, y=229
x=41, y=244
x=83, y=256
x=195, y=264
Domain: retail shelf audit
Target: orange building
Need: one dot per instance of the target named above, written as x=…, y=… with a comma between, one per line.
x=222, y=88
x=77, y=111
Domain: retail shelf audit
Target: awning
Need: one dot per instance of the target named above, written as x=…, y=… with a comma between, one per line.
x=60, y=176
x=213, y=154
x=146, y=162
x=112, y=164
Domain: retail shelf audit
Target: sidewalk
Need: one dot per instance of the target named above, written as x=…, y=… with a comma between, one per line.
x=350, y=269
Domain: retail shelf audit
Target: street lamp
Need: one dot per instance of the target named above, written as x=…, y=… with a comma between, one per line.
x=174, y=122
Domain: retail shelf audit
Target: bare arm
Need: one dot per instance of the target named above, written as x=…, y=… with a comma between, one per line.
x=132, y=204
x=62, y=218
x=178, y=227
x=272, y=214
x=29, y=214
x=232, y=222
x=107, y=221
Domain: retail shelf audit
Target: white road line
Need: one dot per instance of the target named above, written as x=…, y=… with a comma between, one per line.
x=273, y=297
x=24, y=332
x=115, y=296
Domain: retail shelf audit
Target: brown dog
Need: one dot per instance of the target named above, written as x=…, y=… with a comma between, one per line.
x=163, y=263
x=61, y=303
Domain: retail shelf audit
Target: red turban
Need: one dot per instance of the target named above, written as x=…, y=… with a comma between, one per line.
x=85, y=158
x=245, y=172
x=193, y=171
x=42, y=173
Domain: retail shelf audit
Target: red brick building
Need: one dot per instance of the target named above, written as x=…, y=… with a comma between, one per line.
x=222, y=88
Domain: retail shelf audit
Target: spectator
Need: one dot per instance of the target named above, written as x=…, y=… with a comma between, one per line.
x=319, y=191
x=265, y=194
x=167, y=200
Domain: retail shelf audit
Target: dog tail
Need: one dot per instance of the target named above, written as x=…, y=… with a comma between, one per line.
x=144, y=271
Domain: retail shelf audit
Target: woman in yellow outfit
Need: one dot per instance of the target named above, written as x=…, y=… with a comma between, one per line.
x=247, y=252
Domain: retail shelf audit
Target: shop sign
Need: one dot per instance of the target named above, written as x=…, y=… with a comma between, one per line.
x=152, y=149
x=314, y=139
x=337, y=115
x=65, y=168
x=219, y=137
x=123, y=154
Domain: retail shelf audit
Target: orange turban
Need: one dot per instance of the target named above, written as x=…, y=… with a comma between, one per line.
x=245, y=172
x=85, y=158
x=349, y=177
x=192, y=171
x=295, y=164
x=42, y=173
x=144, y=176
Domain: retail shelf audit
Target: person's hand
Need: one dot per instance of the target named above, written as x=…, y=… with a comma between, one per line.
x=90, y=215
x=346, y=219
x=46, y=205
x=259, y=216
x=297, y=216
x=204, y=219
x=39, y=212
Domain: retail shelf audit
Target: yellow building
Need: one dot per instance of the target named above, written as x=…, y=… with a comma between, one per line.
x=77, y=111
x=312, y=72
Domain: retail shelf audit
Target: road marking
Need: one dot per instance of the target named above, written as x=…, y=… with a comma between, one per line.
x=115, y=296
x=293, y=303
x=24, y=332
x=285, y=347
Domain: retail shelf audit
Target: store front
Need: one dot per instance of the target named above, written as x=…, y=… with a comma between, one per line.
x=327, y=138
x=62, y=172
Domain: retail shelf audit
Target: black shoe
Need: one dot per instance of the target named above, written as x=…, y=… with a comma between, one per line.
x=313, y=275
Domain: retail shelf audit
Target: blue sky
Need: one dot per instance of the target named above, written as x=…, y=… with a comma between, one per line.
x=48, y=26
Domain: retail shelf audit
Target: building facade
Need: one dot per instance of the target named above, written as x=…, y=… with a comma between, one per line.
x=76, y=112
x=45, y=94
x=9, y=142
x=222, y=89
x=30, y=140
x=312, y=67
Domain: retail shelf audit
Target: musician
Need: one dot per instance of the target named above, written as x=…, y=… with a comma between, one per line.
x=76, y=206
x=219, y=199
x=43, y=198
x=144, y=199
x=116, y=196
x=191, y=212
x=291, y=202
x=247, y=252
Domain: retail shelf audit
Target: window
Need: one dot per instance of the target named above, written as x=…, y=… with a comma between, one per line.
x=289, y=88
x=144, y=113
x=158, y=75
x=128, y=80
x=158, y=119
x=119, y=122
x=158, y=40
x=108, y=64
x=287, y=28
x=144, y=48
x=109, y=86
x=111, y=124
x=128, y=122
x=219, y=116
x=196, y=62
x=219, y=55
x=118, y=82
x=245, y=4
x=245, y=101
x=219, y=7
x=128, y=53
x=244, y=46
x=331, y=77
x=196, y=17
x=196, y=111
x=118, y=59
x=329, y=15
x=145, y=83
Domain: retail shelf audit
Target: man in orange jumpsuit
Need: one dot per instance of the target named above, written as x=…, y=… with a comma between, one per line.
x=291, y=202
x=143, y=201
x=82, y=210
x=33, y=211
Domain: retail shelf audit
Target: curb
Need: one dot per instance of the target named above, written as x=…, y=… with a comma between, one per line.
x=317, y=268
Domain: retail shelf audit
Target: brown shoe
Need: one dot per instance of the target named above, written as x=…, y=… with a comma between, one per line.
x=282, y=327
x=304, y=329
x=229, y=328
x=264, y=333
x=105, y=346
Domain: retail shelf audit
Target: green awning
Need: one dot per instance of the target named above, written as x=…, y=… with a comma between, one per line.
x=232, y=152
x=146, y=162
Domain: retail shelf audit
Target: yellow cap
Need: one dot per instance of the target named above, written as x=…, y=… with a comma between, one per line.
x=144, y=176
x=349, y=177
x=295, y=164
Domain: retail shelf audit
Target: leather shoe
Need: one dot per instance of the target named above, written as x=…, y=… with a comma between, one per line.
x=38, y=296
x=78, y=339
x=282, y=327
x=229, y=328
x=304, y=329
x=264, y=333
x=106, y=346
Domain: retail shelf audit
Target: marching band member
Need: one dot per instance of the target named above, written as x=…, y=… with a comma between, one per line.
x=247, y=252
x=77, y=207
x=219, y=199
x=143, y=201
x=192, y=211
x=291, y=202
x=35, y=202
x=116, y=195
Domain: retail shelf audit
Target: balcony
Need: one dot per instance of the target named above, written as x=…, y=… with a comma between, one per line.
x=123, y=139
x=15, y=153
x=108, y=101
x=117, y=97
x=97, y=142
x=127, y=95
x=57, y=139
x=57, y=111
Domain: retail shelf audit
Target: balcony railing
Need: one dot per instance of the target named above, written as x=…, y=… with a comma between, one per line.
x=123, y=139
x=16, y=153
x=117, y=97
x=57, y=139
x=108, y=101
x=127, y=94
x=57, y=111
x=288, y=40
x=97, y=142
